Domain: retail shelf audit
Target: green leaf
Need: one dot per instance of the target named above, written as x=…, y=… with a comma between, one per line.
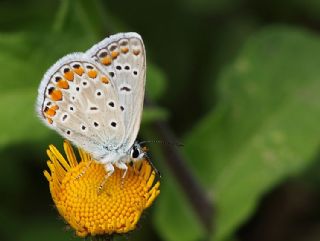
x=310, y=8
x=33, y=14
x=156, y=82
x=151, y=114
x=46, y=228
x=174, y=217
x=26, y=56
x=263, y=130
x=211, y=6
x=19, y=121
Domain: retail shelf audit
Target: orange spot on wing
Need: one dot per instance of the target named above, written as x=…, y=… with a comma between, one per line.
x=56, y=95
x=79, y=71
x=50, y=121
x=63, y=84
x=136, y=51
x=92, y=73
x=51, y=111
x=104, y=80
x=124, y=50
x=55, y=107
x=69, y=75
x=114, y=54
x=106, y=60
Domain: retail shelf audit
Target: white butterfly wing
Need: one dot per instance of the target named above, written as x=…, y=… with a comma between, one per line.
x=78, y=99
x=123, y=57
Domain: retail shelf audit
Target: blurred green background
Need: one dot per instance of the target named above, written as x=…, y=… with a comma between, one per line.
x=238, y=81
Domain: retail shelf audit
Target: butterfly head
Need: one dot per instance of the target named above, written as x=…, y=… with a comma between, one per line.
x=137, y=152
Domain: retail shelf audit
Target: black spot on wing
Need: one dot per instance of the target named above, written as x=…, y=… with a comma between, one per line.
x=125, y=88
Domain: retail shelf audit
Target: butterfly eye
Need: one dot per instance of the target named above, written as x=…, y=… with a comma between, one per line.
x=135, y=153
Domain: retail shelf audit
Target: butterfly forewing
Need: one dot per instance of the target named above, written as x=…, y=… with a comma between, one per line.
x=78, y=99
x=123, y=57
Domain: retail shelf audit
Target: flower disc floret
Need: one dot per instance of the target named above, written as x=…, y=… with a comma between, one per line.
x=117, y=208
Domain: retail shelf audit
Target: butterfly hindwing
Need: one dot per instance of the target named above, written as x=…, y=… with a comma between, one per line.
x=78, y=99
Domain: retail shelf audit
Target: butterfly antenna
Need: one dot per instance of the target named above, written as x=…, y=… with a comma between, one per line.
x=162, y=142
x=152, y=165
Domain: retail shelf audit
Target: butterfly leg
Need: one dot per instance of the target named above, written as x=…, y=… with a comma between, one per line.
x=109, y=169
x=84, y=170
x=121, y=165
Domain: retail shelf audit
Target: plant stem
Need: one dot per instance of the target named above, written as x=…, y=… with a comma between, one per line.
x=61, y=15
x=196, y=195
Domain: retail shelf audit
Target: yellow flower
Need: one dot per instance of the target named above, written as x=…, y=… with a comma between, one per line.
x=116, y=209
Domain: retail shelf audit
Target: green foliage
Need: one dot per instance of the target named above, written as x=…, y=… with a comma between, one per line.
x=242, y=97
x=174, y=217
x=156, y=82
x=263, y=130
x=207, y=6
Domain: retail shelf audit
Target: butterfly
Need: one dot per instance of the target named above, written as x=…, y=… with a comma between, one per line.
x=95, y=99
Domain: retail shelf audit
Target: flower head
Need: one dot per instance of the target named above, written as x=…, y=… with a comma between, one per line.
x=116, y=209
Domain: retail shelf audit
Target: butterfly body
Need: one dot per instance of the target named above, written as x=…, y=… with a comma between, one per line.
x=95, y=99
